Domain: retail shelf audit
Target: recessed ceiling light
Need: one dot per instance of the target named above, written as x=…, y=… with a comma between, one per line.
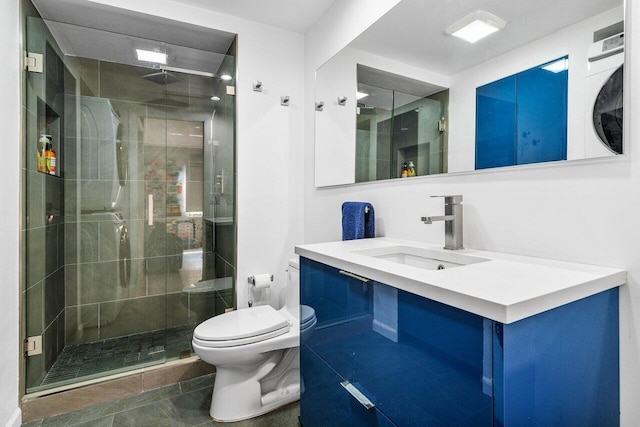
x=226, y=77
x=476, y=26
x=215, y=98
x=557, y=66
x=151, y=56
x=360, y=95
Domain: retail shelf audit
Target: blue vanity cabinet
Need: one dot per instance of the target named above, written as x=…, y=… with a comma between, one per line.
x=343, y=307
x=522, y=118
x=412, y=357
x=560, y=367
x=421, y=362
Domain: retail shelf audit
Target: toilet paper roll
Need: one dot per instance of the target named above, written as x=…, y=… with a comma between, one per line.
x=262, y=281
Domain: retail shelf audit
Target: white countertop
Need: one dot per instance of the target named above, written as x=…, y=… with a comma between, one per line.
x=507, y=288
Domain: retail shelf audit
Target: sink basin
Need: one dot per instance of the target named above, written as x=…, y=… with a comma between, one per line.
x=424, y=258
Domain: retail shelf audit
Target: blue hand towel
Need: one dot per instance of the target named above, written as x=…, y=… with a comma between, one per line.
x=356, y=222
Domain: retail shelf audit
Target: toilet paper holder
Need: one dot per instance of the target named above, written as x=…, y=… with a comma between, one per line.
x=252, y=279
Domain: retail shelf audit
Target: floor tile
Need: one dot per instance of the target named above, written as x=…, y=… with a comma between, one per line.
x=178, y=405
x=193, y=408
x=100, y=422
x=159, y=414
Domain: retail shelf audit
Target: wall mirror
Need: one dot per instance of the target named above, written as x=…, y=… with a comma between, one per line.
x=409, y=97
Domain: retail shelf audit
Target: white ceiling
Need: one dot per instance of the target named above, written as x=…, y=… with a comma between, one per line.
x=413, y=32
x=294, y=15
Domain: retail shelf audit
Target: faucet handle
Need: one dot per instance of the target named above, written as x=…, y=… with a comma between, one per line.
x=451, y=200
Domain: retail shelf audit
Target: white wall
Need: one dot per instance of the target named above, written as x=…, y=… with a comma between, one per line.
x=269, y=137
x=584, y=211
x=10, y=108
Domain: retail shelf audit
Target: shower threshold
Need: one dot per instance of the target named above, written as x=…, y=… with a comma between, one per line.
x=93, y=360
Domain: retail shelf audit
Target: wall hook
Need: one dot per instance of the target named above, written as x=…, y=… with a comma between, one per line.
x=257, y=86
x=319, y=105
x=284, y=101
x=342, y=100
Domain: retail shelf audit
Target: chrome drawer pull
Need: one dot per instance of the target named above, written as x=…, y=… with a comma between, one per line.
x=357, y=394
x=355, y=276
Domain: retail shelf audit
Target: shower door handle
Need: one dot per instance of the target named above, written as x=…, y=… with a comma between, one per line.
x=150, y=209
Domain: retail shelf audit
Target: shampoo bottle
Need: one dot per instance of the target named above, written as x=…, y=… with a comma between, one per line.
x=41, y=154
x=51, y=160
x=405, y=171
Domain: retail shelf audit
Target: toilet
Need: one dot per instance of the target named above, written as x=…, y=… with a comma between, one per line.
x=256, y=352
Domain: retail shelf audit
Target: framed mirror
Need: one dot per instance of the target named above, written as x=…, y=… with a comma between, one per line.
x=409, y=98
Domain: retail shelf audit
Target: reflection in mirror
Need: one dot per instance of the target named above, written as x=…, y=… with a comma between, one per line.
x=511, y=128
x=411, y=40
x=401, y=126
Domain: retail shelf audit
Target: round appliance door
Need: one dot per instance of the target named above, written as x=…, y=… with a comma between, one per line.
x=607, y=113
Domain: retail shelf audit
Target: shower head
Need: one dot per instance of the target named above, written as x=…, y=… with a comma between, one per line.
x=162, y=77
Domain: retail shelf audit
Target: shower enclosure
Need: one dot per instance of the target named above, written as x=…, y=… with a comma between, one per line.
x=129, y=190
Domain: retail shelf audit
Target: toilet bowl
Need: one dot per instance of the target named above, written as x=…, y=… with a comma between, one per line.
x=256, y=352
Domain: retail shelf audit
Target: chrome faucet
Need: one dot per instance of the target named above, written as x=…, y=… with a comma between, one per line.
x=452, y=221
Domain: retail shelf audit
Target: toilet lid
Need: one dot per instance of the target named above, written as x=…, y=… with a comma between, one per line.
x=246, y=325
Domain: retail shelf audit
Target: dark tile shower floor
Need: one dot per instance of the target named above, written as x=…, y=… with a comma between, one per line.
x=89, y=360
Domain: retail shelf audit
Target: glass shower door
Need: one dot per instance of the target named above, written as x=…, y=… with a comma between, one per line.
x=116, y=234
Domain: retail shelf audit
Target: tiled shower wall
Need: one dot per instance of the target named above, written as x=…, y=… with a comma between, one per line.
x=98, y=305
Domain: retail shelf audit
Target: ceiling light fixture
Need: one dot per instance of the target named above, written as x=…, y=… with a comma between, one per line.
x=557, y=66
x=215, y=98
x=475, y=26
x=360, y=95
x=151, y=56
x=226, y=77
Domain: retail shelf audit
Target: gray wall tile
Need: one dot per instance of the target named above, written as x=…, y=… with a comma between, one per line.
x=81, y=324
x=35, y=199
x=35, y=255
x=35, y=309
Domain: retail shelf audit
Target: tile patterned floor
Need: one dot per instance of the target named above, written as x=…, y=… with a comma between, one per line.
x=89, y=360
x=184, y=404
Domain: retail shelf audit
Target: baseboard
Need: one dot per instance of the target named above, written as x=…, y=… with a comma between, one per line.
x=16, y=419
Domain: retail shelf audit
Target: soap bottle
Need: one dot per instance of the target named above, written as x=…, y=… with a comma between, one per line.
x=412, y=169
x=51, y=160
x=405, y=171
x=41, y=154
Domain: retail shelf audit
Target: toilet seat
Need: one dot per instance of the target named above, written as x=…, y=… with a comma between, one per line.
x=241, y=327
x=307, y=316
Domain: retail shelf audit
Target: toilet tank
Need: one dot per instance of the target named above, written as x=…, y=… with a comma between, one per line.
x=292, y=301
